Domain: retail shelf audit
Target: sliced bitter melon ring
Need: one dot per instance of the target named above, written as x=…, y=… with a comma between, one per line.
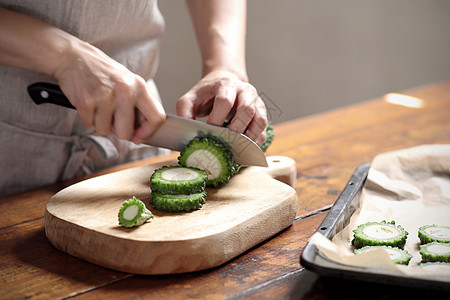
x=177, y=203
x=435, y=266
x=434, y=233
x=435, y=252
x=133, y=213
x=209, y=154
x=397, y=255
x=378, y=234
x=176, y=180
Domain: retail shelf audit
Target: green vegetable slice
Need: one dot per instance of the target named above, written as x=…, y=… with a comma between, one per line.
x=269, y=137
x=397, y=255
x=435, y=251
x=133, y=213
x=435, y=266
x=210, y=155
x=378, y=234
x=177, y=203
x=176, y=180
x=434, y=233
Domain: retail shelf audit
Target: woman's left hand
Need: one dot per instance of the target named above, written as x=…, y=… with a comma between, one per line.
x=223, y=96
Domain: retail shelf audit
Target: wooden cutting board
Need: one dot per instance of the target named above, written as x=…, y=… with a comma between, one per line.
x=82, y=220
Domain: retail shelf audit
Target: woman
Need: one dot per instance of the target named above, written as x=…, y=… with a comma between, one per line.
x=103, y=54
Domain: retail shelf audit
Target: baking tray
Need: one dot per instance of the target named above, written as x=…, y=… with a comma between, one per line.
x=336, y=220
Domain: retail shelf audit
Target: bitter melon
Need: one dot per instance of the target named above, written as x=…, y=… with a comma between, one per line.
x=434, y=233
x=269, y=137
x=378, y=234
x=435, y=266
x=397, y=255
x=133, y=213
x=210, y=155
x=177, y=203
x=176, y=180
x=435, y=252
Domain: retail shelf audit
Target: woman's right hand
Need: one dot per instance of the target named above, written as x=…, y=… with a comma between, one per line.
x=107, y=95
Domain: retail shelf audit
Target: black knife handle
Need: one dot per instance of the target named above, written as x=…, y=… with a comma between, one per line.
x=43, y=92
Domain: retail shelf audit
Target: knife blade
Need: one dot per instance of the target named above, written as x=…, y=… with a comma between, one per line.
x=174, y=133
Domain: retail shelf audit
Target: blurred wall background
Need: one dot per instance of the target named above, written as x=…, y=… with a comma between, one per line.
x=309, y=56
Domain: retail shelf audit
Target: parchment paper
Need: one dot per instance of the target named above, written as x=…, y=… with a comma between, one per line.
x=410, y=187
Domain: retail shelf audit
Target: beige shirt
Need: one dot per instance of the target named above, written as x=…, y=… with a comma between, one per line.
x=43, y=144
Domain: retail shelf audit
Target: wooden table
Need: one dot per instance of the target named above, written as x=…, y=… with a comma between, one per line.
x=326, y=147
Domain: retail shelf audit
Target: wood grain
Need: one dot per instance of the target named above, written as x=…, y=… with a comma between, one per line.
x=82, y=220
x=326, y=148
x=30, y=268
x=242, y=276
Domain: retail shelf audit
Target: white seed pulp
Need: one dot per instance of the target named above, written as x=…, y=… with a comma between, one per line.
x=381, y=232
x=393, y=254
x=439, y=249
x=179, y=174
x=130, y=212
x=204, y=160
x=438, y=232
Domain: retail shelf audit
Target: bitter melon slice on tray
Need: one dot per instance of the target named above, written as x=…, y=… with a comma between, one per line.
x=210, y=155
x=435, y=252
x=177, y=203
x=397, y=255
x=176, y=180
x=133, y=213
x=378, y=234
x=434, y=233
x=435, y=266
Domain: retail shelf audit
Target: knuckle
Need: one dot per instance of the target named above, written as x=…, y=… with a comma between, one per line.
x=85, y=104
x=224, y=101
x=157, y=118
x=139, y=84
x=248, y=109
x=224, y=82
x=127, y=87
x=259, y=119
x=102, y=92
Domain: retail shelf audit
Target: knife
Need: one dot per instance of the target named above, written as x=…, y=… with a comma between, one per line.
x=174, y=133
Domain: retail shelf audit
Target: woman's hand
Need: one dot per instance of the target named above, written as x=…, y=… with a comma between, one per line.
x=224, y=92
x=223, y=96
x=107, y=95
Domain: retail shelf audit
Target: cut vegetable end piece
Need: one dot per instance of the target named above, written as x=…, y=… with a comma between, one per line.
x=175, y=180
x=133, y=213
x=177, y=203
x=435, y=251
x=434, y=233
x=379, y=234
x=211, y=156
x=397, y=255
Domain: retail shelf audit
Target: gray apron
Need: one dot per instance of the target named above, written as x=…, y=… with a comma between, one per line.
x=43, y=144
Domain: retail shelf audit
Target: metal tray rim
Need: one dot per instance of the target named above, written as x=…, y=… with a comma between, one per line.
x=344, y=206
